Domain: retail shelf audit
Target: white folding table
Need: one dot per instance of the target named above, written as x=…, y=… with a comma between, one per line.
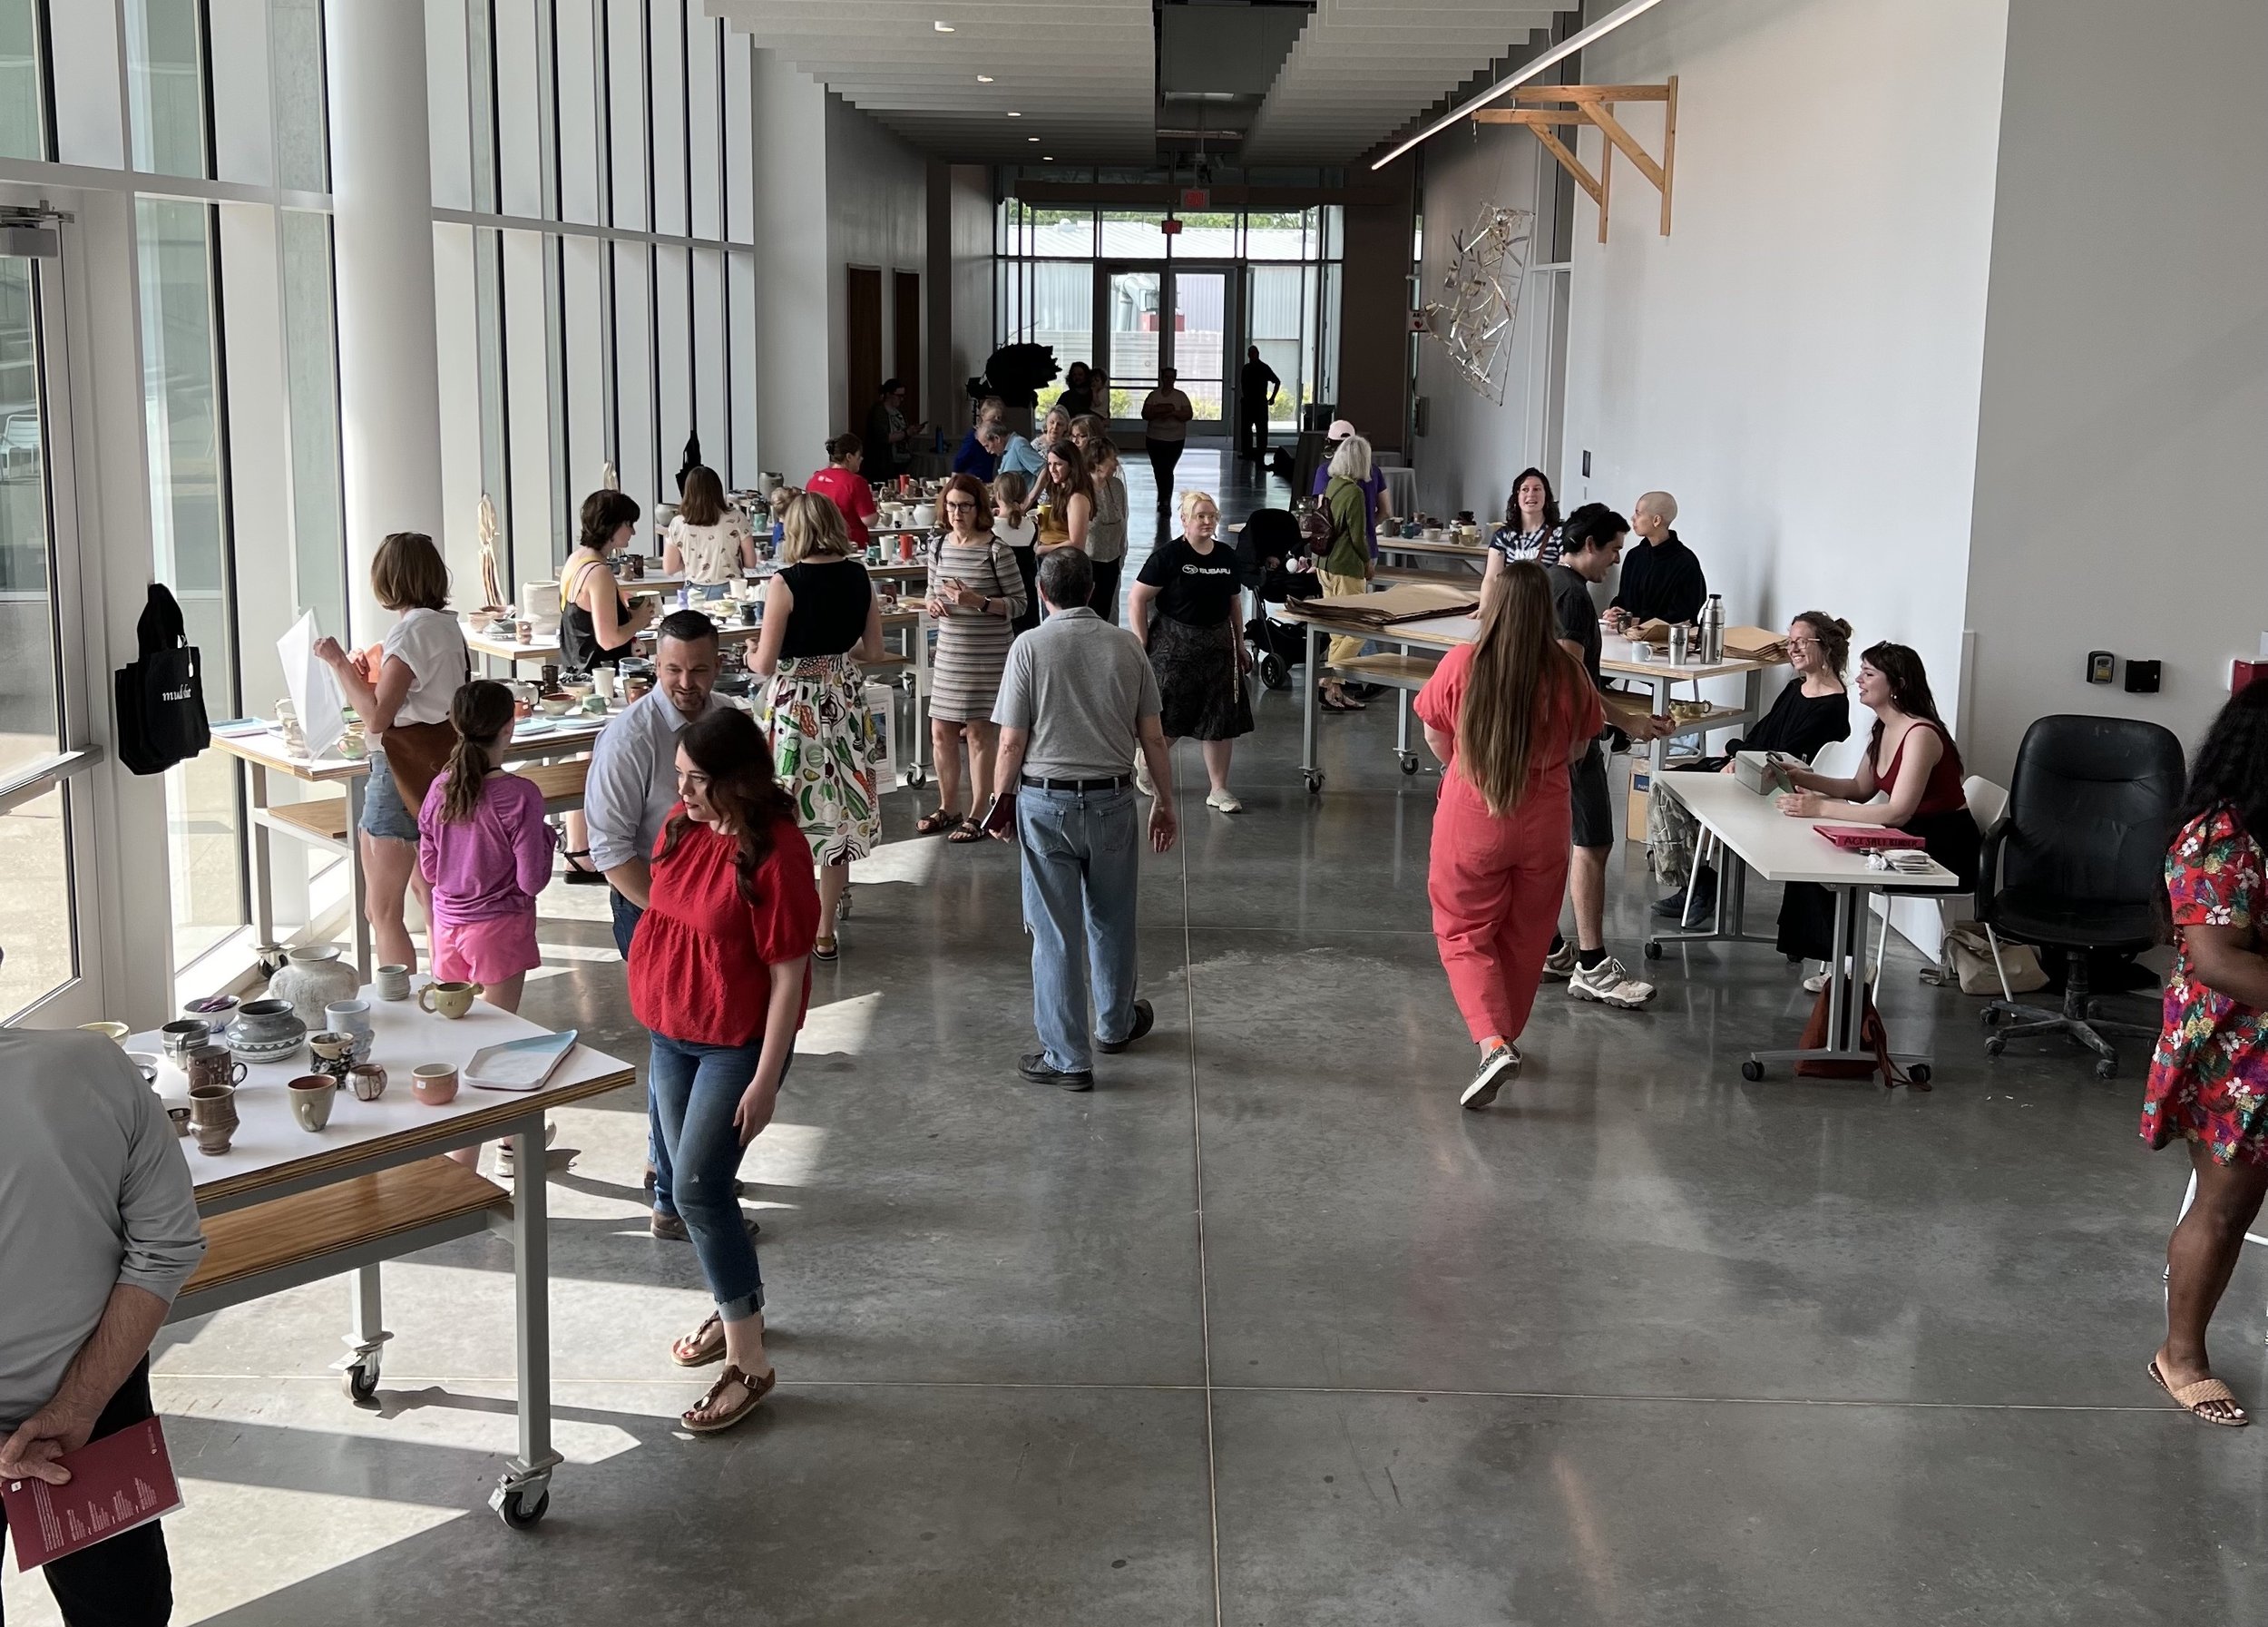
x=1756, y=836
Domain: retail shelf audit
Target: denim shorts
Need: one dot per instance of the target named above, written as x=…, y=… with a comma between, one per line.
x=382, y=810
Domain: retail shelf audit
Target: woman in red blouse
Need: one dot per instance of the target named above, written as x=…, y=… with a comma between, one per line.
x=720, y=976
x=841, y=483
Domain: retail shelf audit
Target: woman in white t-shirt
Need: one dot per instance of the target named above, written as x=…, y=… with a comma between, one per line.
x=707, y=542
x=404, y=704
x=1014, y=523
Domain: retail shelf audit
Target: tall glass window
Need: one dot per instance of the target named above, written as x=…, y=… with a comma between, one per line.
x=189, y=534
x=30, y=719
x=22, y=83
x=295, y=57
x=165, y=85
x=311, y=384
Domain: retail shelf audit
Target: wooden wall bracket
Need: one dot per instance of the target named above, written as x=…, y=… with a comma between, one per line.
x=1553, y=107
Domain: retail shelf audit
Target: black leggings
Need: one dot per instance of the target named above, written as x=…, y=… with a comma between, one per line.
x=1104, y=600
x=125, y=1582
x=1163, y=456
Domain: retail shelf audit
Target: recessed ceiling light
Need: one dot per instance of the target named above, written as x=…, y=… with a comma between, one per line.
x=1047, y=158
x=984, y=79
x=1015, y=115
x=1031, y=138
x=943, y=27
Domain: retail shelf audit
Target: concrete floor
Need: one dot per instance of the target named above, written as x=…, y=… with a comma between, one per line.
x=1266, y=1331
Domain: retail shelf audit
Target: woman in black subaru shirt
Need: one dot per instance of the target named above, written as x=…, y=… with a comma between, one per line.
x=1184, y=606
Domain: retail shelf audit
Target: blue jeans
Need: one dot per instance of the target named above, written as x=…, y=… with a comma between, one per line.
x=696, y=1090
x=1082, y=865
x=626, y=915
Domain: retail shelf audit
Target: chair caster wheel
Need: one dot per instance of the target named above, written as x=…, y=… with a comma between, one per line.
x=1919, y=1072
x=916, y=776
x=2106, y=1070
x=1995, y=1046
x=1653, y=949
x=519, y=1512
x=1409, y=762
x=1991, y=1017
x=1752, y=1070
x=1314, y=780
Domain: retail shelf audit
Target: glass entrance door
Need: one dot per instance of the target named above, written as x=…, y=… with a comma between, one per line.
x=1166, y=316
x=45, y=825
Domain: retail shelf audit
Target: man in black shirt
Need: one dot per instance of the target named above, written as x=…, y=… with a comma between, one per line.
x=1662, y=581
x=1256, y=385
x=1593, y=543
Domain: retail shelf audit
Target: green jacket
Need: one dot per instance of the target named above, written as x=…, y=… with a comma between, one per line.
x=1348, y=506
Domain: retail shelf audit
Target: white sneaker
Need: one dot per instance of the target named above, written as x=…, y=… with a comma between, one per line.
x=1496, y=1067
x=1226, y=801
x=1817, y=981
x=1609, y=984
x=1560, y=962
x=505, y=1157
x=1142, y=781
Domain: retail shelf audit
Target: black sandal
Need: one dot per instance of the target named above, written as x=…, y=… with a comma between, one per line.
x=582, y=874
x=937, y=823
x=970, y=831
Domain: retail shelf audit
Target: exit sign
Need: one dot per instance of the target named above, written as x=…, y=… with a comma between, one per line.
x=1170, y=226
x=1196, y=197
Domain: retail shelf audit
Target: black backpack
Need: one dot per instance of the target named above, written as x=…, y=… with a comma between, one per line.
x=160, y=696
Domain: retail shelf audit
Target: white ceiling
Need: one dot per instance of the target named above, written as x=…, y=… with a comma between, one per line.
x=1082, y=74
x=1363, y=69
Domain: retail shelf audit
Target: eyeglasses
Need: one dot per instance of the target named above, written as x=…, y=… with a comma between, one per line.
x=962, y=508
x=1803, y=643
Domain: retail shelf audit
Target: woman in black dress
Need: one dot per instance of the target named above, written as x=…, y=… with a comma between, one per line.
x=597, y=627
x=1185, y=606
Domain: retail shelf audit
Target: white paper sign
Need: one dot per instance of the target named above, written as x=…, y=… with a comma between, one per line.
x=313, y=692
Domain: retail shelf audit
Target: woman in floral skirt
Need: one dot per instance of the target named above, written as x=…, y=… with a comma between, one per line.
x=820, y=620
x=2209, y=1078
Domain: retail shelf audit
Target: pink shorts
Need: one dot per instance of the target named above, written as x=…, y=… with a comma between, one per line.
x=486, y=951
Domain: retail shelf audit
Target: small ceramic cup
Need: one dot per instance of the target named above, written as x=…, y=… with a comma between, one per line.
x=311, y=1098
x=368, y=1080
x=450, y=1000
x=212, y=1065
x=434, y=1083
x=146, y=1063
x=352, y=1016
x=115, y=1032
x=179, y=1038
x=392, y=983
x=603, y=680
x=180, y=1115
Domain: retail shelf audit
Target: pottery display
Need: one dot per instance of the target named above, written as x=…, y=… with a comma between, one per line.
x=367, y=1080
x=450, y=1000
x=311, y=1098
x=392, y=983
x=115, y=1032
x=557, y=704
x=334, y=1053
x=265, y=1031
x=315, y=975
x=180, y=1115
x=213, y=1115
x=146, y=1063
x=212, y=1064
x=352, y=1016
x=434, y=1083
x=214, y=1010
x=178, y=1039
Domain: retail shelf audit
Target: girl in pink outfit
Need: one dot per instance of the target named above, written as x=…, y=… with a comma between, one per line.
x=485, y=851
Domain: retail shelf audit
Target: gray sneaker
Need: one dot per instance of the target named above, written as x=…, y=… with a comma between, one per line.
x=1560, y=962
x=1498, y=1065
x=1609, y=984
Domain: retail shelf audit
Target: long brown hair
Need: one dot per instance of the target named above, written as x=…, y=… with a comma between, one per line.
x=728, y=745
x=481, y=712
x=1077, y=481
x=1518, y=673
x=704, y=496
x=1909, y=682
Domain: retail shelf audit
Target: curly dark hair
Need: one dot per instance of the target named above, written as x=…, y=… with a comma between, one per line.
x=728, y=747
x=1550, y=500
x=2229, y=767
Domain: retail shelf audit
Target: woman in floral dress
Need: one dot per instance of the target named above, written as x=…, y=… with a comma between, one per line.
x=821, y=618
x=2209, y=1078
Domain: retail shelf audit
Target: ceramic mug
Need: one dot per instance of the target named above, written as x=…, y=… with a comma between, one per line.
x=368, y=1080
x=311, y=1098
x=603, y=680
x=213, y=1115
x=434, y=1083
x=180, y=1037
x=352, y=1016
x=450, y=1000
x=115, y=1032
x=214, y=1066
x=392, y=983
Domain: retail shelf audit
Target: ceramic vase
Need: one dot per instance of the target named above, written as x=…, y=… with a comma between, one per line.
x=313, y=977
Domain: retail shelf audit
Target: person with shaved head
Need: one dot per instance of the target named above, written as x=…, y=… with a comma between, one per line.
x=1662, y=580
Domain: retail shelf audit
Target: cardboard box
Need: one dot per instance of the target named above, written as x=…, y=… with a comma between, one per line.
x=1641, y=793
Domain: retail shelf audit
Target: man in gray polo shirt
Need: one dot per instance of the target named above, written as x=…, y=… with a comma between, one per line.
x=99, y=1233
x=1077, y=702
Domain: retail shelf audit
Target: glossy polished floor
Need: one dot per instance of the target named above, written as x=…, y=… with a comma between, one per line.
x=1266, y=1331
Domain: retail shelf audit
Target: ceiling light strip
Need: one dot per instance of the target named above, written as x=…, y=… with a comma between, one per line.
x=1558, y=54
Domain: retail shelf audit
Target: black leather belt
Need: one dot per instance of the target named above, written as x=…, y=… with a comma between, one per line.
x=1116, y=783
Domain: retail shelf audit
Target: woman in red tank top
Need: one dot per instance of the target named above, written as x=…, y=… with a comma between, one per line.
x=1914, y=770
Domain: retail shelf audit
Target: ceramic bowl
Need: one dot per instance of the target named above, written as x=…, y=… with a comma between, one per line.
x=557, y=704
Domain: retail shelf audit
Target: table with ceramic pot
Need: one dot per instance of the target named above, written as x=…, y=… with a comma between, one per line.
x=286, y=1205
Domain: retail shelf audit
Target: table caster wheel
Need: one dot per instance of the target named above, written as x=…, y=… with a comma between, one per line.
x=1752, y=1070
x=1314, y=780
x=1995, y=1046
x=519, y=1511
x=917, y=774
x=1409, y=762
x=1653, y=949
x=360, y=1383
x=2106, y=1070
x=1919, y=1072
x=908, y=682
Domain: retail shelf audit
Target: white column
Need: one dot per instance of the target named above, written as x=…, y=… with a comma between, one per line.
x=389, y=382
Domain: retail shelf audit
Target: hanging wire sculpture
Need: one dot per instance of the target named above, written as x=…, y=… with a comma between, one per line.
x=1488, y=265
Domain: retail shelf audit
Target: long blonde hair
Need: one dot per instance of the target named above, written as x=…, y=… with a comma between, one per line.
x=1518, y=673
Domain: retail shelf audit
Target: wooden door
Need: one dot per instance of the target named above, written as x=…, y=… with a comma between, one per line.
x=863, y=336
x=905, y=337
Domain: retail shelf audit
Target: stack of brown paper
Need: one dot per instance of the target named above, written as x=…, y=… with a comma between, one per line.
x=1755, y=644
x=1404, y=602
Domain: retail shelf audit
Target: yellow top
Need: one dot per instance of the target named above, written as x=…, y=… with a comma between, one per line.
x=1053, y=533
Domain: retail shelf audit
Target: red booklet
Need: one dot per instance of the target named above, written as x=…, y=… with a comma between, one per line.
x=117, y=1483
x=1862, y=839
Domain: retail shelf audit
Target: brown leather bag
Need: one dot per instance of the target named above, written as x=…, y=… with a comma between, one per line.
x=416, y=753
x=1873, y=1037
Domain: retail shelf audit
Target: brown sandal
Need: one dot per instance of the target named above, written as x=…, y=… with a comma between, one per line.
x=2194, y=1398
x=970, y=831
x=707, y=1341
x=934, y=824
x=757, y=1388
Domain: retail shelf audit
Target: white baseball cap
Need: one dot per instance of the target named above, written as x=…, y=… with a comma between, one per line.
x=1340, y=430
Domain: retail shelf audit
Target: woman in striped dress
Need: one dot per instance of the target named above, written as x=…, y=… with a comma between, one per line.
x=975, y=593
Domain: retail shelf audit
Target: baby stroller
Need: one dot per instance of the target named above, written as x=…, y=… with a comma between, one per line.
x=1274, y=563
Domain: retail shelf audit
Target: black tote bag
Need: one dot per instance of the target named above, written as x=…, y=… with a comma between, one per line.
x=160, y=696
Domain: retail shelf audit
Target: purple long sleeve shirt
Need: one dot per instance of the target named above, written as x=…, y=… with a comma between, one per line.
x=494, y=864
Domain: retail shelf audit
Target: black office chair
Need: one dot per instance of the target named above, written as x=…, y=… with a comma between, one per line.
x=2079, y=863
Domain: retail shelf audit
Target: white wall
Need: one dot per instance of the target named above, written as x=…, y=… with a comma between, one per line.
x=1473, y=447
x=2126, y=367
x=1800, y=361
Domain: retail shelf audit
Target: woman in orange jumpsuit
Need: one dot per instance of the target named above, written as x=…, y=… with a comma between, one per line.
x=1506, y=715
